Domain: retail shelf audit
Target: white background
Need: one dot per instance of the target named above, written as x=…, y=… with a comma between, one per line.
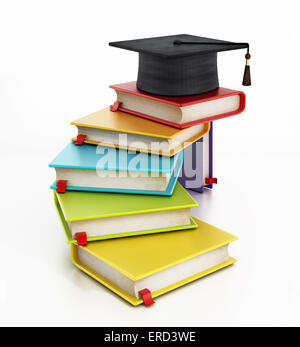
x=56, y=66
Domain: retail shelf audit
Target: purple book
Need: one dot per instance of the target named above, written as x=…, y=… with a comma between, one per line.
x=197, y=168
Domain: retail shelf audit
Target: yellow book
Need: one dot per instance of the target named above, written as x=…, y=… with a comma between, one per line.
x=138, y=134
x=158, y=263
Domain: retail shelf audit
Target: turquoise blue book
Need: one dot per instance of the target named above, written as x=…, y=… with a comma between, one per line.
x=105, y=169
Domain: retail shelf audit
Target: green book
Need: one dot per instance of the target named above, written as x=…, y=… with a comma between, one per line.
x=99, y=216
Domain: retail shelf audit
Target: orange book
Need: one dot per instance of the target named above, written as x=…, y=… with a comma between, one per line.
x=125, y=131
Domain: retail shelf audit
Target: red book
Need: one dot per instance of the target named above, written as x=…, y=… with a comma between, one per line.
x=180, y=112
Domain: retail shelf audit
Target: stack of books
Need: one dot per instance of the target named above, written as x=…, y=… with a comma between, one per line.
x=120, y=191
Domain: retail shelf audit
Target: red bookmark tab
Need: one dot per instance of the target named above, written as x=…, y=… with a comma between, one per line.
x=61, y=186
x=81, y=239
x=115, y=106
x=80, y=140
x=147, y=297
x=211, y=180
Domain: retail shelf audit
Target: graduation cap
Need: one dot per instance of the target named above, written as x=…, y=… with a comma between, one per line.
x=180, y=65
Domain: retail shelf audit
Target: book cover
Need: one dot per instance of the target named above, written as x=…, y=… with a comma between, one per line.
x=152, y=254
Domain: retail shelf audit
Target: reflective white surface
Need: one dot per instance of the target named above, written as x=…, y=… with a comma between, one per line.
x=54, y=74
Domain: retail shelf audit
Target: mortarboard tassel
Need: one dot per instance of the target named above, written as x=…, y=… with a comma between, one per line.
x=247, y=76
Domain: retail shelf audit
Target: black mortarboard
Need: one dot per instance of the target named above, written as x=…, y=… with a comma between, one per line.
x=180, y=65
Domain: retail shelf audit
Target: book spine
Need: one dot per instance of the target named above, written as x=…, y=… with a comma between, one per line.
x=192, y=176
x=211, y=169
x=194, y=163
